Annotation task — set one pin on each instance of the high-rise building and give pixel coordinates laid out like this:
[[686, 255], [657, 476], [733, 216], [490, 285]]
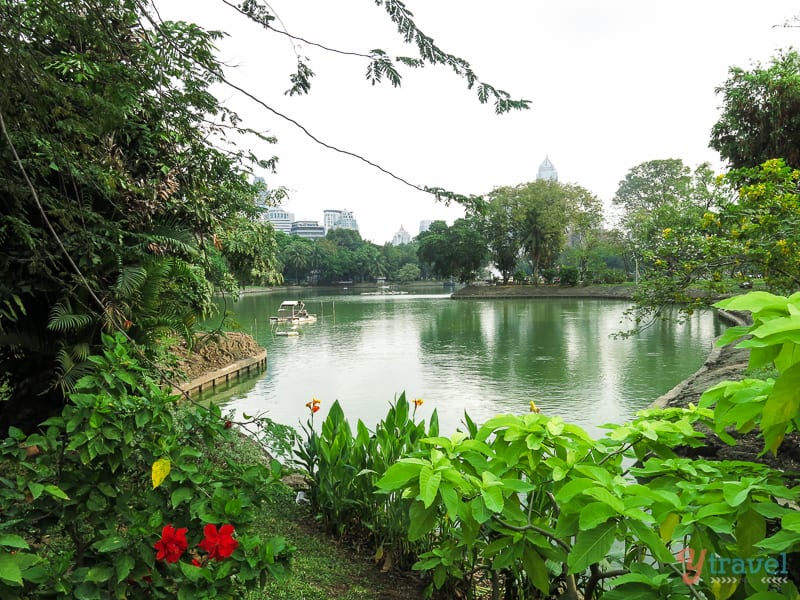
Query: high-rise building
[[425, 225], [339, 219], [547, 171], [401, 237], [281, 219]]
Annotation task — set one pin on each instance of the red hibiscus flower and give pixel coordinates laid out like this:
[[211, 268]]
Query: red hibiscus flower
[[172, 544], [218, 544]]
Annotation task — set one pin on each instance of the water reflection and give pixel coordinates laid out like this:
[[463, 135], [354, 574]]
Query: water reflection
[[485, 357]]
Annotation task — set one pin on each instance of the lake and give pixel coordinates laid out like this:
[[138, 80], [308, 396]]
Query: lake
[[483, 356]]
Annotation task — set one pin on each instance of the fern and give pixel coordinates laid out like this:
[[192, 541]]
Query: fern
[[70, 369], [63, 320], [130, 281]]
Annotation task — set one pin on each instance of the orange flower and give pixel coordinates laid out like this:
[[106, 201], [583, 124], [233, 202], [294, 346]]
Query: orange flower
[[314, 408], [418, 401]]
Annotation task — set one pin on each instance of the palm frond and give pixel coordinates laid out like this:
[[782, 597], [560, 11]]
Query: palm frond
[[130, 281], [63, 320], [69, 371]]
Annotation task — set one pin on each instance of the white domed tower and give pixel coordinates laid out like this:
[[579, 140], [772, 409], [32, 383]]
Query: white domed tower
[[547, 171]]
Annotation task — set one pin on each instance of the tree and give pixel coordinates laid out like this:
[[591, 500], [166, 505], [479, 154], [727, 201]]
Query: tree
[[585, 214], [251, 251], [540, 219], [297, 256], [760, 117], [457, 251], [660, 195], [107, 180], [505, 246], [408, 272]]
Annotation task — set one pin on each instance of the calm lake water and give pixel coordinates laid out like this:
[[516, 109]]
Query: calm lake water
[[483, 356]]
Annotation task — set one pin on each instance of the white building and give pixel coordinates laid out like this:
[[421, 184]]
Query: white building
[[281, 219], [401, 237], [339, 219], [547, 171], [425, 225], [308, 229]]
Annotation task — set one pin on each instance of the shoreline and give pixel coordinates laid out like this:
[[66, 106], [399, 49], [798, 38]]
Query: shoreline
[[609, 292]]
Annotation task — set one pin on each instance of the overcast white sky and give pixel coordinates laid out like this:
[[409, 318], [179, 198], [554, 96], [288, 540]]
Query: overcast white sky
[[612, 84]]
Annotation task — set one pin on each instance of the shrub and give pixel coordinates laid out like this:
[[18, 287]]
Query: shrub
[[569, 276], [118, 498]]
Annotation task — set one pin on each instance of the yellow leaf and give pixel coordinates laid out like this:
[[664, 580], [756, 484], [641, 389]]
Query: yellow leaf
[[161, 469], [723, 591], [668, 526]]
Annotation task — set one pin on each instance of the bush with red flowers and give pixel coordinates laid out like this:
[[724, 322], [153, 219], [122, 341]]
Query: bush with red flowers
[[121, 464]]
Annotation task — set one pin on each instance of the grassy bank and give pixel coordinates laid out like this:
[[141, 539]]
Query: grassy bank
[[322, 567], [612, 291]]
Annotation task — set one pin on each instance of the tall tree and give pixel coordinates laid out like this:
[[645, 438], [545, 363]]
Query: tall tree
[[297, 256], [585, 214], [760, 116], [659, 195], [106, 170], [505, 246], [457, 251], [540, 215]]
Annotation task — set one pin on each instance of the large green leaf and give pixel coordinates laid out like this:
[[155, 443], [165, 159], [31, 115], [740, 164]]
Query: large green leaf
[[422, 520], [493, 498], [754, 302], [12, 540], [536, 569], [428, 485], [595, 513], [648, 536], [783, 403], [751, 528], [591, 546], [9, 569], [606, 497], [399, 474]]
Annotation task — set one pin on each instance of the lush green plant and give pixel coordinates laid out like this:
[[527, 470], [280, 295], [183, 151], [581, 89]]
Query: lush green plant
[[549, 274], [528, 501], [772, 404], [86, 500], [569, 276], [345, 465]]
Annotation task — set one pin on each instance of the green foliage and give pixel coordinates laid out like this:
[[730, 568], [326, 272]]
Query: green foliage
[[529, 501], [760, 118], [114, 175], [748, 233], [408, 272], [80, 513], [569, 276], [535, 500], [453, 251], [345, 464], [771, 404]]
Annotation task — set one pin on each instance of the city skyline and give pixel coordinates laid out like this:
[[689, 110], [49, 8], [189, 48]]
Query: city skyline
[[611, 86]]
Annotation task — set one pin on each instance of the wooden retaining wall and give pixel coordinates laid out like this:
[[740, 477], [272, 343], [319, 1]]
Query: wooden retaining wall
[[209, 381]]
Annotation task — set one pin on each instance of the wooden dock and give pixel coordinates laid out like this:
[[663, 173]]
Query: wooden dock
[[241, 368]]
